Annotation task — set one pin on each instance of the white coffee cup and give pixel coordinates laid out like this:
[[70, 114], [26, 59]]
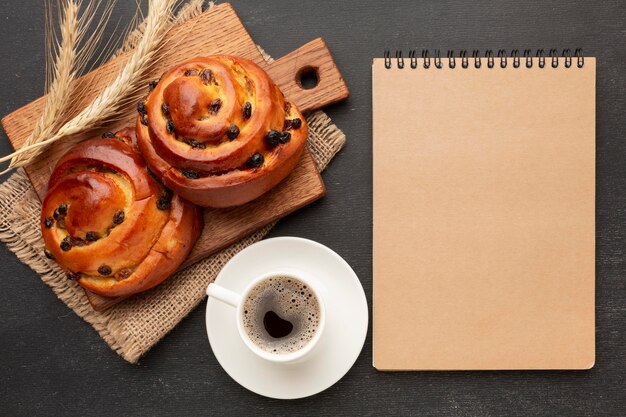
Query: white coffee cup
[[236, 300]]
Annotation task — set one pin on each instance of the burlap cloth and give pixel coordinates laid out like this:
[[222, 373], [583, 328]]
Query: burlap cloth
[[132, 327]]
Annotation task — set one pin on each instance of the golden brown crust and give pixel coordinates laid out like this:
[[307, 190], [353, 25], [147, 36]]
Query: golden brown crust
[[203, 127], [109, 224]]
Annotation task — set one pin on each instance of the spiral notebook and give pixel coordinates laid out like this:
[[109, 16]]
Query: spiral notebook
[[484, 210]]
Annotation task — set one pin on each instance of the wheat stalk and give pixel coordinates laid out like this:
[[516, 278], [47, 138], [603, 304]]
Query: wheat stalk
[[111, 100], [60, 71], [64, 61], [190, 10]]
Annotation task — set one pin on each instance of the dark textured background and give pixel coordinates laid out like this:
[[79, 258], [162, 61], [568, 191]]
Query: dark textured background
[[53, 363]]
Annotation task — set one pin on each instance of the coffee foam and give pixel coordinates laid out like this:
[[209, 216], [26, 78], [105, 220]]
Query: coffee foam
[[292, 300]]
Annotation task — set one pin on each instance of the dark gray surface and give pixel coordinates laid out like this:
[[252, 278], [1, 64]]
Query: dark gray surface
[[52, 363]]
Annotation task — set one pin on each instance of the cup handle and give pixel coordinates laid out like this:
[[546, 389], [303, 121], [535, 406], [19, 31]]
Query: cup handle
[[223, 294]]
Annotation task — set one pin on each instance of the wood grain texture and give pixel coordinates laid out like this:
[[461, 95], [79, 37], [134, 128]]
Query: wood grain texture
[[51, 358], [228, 35]]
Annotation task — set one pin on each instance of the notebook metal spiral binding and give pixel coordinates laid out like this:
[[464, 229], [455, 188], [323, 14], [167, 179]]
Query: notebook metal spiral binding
[[476, 57]]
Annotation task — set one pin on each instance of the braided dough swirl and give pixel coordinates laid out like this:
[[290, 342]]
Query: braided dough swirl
[[109, 224], [218, 131]]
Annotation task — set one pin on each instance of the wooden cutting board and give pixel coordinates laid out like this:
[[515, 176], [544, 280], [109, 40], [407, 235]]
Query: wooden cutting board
[[217, 31]]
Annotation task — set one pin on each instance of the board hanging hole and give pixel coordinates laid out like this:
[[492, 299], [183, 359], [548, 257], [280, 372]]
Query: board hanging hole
[[308, 78]]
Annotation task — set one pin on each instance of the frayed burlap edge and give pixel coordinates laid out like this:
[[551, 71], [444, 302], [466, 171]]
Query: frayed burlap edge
[[17, 232], [118, 326]]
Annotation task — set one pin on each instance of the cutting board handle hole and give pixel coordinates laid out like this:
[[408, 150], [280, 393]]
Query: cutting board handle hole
[[307, 78]]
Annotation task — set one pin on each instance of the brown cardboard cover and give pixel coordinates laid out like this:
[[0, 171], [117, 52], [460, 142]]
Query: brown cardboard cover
[[484, 217]]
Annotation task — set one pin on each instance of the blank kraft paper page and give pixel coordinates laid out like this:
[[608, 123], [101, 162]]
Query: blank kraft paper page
[[484, 216]]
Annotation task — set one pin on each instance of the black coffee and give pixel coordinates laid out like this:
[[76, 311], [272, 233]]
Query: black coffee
[[276, 326], [281, 314]]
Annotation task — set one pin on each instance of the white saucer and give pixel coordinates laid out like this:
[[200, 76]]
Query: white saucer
[[342, 338]]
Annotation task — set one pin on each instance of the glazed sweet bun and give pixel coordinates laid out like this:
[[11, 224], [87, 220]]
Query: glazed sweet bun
[[109, 224], [218, 131]]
